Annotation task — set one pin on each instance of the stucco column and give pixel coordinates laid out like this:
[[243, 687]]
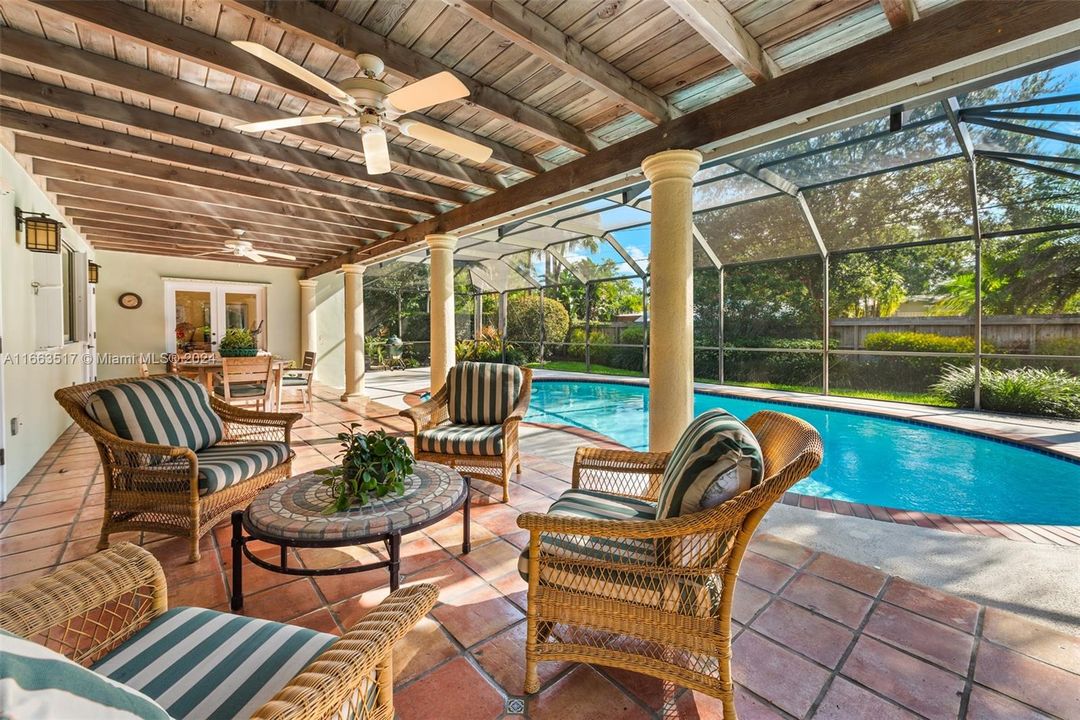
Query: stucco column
[[354, 331], [309, 333], [671, 299], [442, 307]]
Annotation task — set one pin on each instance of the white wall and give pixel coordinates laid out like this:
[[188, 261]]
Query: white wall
[[330, 319], [125, 332], [28, 389]]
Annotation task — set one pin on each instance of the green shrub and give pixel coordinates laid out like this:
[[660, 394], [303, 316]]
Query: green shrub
[[523, 321], [486, 347], [598, 342], [1058, 346], [628, 358], [921, 342], [1025, 390]]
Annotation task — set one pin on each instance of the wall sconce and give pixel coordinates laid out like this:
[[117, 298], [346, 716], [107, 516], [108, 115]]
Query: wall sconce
[[92, 269], [41, 232]]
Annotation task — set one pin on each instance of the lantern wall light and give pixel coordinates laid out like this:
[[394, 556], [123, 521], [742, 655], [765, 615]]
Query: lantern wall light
[[92, 270], [39, 231]]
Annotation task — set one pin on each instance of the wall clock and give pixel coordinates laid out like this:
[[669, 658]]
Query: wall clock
[[130, 301]]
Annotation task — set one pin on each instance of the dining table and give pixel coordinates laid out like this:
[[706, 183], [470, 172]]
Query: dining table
[[209, 366]]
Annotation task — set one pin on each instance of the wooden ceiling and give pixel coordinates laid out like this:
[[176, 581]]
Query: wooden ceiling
[[128, 109]]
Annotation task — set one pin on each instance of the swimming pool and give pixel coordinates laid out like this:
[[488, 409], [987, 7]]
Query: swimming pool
[[868, 459]]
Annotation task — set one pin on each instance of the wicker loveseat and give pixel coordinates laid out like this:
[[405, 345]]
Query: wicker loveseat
[[186, 459], [610, 584], [471, 423], [109, 612]]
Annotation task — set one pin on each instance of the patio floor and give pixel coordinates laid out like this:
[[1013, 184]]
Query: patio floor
[[818, 636]]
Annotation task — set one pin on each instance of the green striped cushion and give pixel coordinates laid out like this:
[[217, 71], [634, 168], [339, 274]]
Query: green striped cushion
[[716, 458], [167, 410], [239, 390], [199, 663], [461, 440], [482, 393], [36, 682], [230, 463]]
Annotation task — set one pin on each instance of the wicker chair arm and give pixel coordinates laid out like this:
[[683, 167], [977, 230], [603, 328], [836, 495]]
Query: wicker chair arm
[[521, 407], [355, 664], [98, 602], [621, 472], [707, 521], [429, 413], [245, 424]]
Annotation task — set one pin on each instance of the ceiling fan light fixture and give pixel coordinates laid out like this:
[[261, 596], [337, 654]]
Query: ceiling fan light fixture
[[376, 152]]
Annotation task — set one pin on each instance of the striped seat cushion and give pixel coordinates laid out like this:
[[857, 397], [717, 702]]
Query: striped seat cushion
[[227, 464], [569, 561], [36, 682], [716, 458], [167, 410], [199, 663], [461, 440], [482, 393], [294, 381]]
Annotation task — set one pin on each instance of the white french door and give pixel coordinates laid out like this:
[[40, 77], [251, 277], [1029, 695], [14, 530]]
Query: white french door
[[197, 314]]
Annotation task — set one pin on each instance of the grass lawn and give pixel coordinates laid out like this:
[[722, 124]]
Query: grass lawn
[[915, 398]]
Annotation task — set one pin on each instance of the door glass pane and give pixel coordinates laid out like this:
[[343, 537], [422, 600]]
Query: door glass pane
[[193, 321], [241, 311]]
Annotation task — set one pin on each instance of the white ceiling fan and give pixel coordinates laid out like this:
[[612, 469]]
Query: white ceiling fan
[[373, 102], [242, 248]]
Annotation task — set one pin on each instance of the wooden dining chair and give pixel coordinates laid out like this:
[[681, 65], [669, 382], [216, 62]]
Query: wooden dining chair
[[245, 381], [301, 379]]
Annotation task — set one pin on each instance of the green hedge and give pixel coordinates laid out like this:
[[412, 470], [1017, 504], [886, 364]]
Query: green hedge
[[1025, 390], [921, 342]]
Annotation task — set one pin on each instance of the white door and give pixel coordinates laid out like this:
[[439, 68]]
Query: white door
[[198, 314]]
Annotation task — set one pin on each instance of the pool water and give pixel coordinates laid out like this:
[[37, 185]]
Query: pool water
[[872, 460]]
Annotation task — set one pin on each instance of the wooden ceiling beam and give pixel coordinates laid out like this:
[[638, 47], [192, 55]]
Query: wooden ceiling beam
[[41, 126], [297, 229], [50, 155], [900, 12], [141, 247], [340, 35], [535, 34], [154, 193], [40, 53], [959, 32], [718, 26], [156, 234]]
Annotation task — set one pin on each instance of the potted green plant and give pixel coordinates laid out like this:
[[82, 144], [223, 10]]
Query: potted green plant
[[373, 464], [238, 342]]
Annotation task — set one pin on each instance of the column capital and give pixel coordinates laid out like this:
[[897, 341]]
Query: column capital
[[309, 283], [671, 164], [441, 242], [353, 268]]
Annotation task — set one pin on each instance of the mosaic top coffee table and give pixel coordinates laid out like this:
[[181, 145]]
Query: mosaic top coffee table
[[290, 514]]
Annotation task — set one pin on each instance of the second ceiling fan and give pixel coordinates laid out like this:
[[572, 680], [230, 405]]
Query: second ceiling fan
[[374, 104]]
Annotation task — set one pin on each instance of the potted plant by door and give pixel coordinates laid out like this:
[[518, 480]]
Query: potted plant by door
[[373, 464], [238, 342]]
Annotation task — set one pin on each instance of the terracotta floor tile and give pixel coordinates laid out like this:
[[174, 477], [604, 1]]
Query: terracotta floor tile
[[747, 601], [503, 658], [19, 526], [493, 560], [780, 550], [424, 647], [476, 615], [455, 690], [765, 573], [583, 693], [1032, 638], [846, 701], [829, 599], [804, 632], [986, 704], [1030, 681], [282, 602], [513, 587], [693, 705], [930, 640], [320, 620], [35, 559], [34, 540], [939, 606], [917, 685], [339, 587], [452, 577], [68, 506], [207, 591], [776, 674], [353, 610], [857, 577]]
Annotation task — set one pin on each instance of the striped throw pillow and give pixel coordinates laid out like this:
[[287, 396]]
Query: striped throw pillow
[[167, 410], [36, 682], [482, 393], [715, 459]]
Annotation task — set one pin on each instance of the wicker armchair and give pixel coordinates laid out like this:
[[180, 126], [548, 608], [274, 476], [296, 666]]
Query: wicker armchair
[[155, 488], [88, 608], [667, 611], [493, 467]]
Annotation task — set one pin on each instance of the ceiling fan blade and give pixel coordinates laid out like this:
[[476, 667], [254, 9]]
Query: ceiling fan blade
[[269, 254], [376, 153], [251, 255], [447, 141], [212, 252], [286, 122], [267, 55], [433, 90]]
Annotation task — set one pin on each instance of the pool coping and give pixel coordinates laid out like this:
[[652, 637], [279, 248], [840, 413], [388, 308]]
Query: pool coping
[[1061, 535]]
